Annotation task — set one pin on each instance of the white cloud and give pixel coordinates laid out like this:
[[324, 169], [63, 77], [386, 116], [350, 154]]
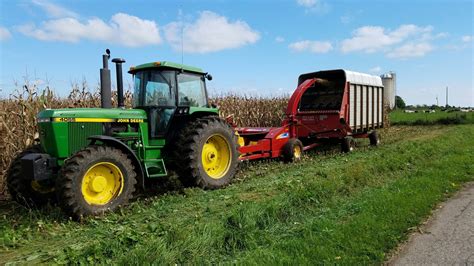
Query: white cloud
[[314, 5], [210, 33], [311, 46], [374, 38], [4, 34], [123, 29], [307, 3], [467, 38], [54, 10], [403, 42], [376, 69], [279, 39], [410, 50]]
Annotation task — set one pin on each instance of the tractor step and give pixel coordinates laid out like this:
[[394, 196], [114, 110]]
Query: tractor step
[[155, 168]]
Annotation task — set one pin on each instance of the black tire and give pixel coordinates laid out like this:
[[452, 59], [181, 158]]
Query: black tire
[[293, 151], [23, 189], [188, 162], [347, 144], [69, 183], [374, 138]]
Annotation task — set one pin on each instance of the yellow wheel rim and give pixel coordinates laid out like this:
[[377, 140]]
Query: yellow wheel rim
[[216, 156], [297, 152], [102, 183]]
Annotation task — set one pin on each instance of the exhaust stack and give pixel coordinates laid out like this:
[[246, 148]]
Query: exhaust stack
[[118, 64], [105, 86]]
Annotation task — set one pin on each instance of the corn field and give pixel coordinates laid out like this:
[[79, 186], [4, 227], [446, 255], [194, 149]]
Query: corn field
[[18, 114]]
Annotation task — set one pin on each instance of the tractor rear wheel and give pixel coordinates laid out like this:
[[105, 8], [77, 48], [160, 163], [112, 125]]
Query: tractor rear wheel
[[293, 151], [347, 144], [206, 154], [374, 138], [23, 189], [95, 180]]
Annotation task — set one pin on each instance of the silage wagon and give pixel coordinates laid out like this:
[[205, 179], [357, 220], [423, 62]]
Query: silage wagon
[[331, 105]]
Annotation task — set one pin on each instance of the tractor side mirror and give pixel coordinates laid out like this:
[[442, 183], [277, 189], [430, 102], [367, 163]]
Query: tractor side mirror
[[208, 76]]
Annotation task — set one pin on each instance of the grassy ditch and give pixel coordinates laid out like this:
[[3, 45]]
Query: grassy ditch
[[330, 208]]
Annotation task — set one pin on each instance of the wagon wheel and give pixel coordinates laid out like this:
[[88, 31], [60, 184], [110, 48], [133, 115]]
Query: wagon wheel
[[374, 138], [347, 144], [293, 150]]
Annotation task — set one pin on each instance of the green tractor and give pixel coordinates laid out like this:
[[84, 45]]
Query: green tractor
[[92, 160]]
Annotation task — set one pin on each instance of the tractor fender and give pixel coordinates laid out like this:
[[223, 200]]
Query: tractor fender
[[116, 143]]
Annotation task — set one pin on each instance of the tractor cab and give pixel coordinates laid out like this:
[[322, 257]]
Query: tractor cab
[[168, 92]]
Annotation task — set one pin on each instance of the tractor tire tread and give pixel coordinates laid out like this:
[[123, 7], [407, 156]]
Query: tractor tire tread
[[68, 189], [19, 187], [187, 153]]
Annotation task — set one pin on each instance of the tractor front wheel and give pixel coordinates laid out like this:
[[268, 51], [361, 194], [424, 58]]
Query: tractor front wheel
[[95, 180], [23, 189], [206, 154]]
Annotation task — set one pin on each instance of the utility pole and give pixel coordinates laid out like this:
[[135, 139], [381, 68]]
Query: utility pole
[[437, 103], [446, 96]]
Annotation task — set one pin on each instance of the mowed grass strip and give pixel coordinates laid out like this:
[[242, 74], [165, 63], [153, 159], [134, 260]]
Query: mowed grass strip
[[399, 117], [329, 208]]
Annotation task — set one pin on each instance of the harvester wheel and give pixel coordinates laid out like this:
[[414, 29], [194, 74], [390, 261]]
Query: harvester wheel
[[374, 138], [347, 144], [95, 180], [23, 189], [293, 151], [206, 153]]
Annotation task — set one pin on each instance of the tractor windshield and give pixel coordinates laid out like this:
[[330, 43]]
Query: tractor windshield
[[155, 88]]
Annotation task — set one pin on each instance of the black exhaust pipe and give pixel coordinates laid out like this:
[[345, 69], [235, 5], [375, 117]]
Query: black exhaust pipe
[[118, 63], [105, 86]]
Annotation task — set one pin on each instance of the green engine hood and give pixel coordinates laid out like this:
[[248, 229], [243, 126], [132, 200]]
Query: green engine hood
[[90, 115]]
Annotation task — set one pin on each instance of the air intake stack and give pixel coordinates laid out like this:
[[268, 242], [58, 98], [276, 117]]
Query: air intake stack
[[105, 86], [118, 64]]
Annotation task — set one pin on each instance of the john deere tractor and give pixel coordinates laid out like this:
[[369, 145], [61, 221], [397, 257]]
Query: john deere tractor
[[92, 160]]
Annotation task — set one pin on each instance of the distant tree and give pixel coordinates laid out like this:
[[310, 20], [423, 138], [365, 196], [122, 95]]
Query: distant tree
[[399, 102]]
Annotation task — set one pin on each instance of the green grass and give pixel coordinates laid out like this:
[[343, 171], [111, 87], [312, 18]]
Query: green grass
[[399, 117], [330, 208]]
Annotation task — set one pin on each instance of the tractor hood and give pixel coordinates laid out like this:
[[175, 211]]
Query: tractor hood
[[91, 115]]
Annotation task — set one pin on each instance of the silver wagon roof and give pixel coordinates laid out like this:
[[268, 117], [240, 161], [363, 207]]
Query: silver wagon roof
[[363, 79], [344, 75]]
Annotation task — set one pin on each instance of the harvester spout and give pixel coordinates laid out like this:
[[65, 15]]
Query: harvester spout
[[105, 87], [118, 63]]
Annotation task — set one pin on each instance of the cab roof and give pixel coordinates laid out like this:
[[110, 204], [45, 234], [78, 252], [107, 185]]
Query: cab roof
[[167, 65]]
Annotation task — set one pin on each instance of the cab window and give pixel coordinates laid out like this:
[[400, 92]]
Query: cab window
[[155, 88], [191, 90]]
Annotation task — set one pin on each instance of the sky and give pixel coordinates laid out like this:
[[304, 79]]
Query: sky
[[255, 47]]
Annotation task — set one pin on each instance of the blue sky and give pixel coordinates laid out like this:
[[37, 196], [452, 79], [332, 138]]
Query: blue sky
[[252, 47]]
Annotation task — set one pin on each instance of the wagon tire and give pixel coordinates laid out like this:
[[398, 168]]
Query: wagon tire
[[95, 180], [293, 151], [374, 138], [23, 189], [347, 144]]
